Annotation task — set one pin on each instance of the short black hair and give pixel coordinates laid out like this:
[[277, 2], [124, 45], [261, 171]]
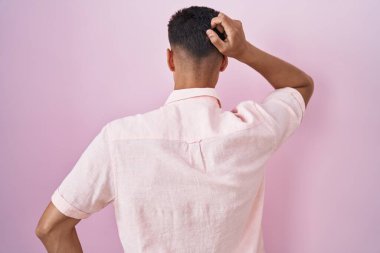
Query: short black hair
[[187, 29]]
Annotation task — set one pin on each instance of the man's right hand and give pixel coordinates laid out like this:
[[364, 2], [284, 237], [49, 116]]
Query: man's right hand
[[235, 44], [278, 72]]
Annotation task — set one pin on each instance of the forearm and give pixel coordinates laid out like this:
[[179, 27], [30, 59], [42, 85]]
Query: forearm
[[62, 242], [276, 71]]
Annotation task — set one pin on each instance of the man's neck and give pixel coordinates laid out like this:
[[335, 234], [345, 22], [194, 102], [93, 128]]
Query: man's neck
[[186, 82], [179, 87]]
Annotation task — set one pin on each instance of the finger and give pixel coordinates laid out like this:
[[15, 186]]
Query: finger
[[225, 18], [215, 40], [216, 21], [220, 28], [223, 22]]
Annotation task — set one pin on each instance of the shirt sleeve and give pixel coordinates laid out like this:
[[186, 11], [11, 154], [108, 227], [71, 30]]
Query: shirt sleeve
[[284, 110], [89, 186]]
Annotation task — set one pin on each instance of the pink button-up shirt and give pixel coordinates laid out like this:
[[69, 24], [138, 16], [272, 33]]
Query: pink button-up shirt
[[186, 177]]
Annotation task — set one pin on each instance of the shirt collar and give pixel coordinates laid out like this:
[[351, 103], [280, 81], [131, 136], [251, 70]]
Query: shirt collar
[[181, 94]]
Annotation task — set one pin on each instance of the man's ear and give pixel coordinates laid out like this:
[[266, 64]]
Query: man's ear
[[224, 64], [169, 55]]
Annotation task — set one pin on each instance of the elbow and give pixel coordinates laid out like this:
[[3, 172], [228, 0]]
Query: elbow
[[307, 83], [310, 81], [310, 84], [42, 231]]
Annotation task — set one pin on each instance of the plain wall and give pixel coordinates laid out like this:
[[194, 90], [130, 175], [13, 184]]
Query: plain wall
[[69, 67]]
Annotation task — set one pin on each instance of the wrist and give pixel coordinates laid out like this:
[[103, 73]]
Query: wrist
[[247, 54]]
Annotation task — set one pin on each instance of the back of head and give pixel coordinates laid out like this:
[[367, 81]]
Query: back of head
[[187, 31]]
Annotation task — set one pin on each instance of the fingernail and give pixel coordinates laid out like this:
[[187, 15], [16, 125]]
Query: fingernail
[[208, 32]]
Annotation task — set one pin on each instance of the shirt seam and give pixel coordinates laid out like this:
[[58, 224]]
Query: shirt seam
[[269, 127], [114, 184], [291, 91], [296, 97], [202, 157], [266, 124], [73, 206], [193, 141]]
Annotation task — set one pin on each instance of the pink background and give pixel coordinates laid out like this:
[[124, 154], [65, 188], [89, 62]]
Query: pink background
[[68, 67]]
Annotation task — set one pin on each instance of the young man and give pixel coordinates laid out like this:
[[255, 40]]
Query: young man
[[188, 176]]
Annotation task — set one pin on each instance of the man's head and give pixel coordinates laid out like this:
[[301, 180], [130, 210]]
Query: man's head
[[194, 60]]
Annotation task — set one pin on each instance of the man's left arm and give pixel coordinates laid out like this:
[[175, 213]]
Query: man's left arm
[[88, 188], [57, 232]]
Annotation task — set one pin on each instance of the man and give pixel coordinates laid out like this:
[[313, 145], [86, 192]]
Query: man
[[188, 176]]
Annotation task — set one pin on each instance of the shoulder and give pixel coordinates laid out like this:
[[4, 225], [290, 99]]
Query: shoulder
[[133, 126]]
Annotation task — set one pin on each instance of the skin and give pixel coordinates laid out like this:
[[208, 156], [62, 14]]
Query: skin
[[57, 232], [276, 71], [189, 73]]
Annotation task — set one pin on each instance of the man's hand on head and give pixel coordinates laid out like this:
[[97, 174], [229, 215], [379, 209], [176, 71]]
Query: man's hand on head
[[235, 43]]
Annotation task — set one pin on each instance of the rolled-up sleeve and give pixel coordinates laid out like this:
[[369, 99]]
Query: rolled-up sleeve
[[89, 186], [284, 109]]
